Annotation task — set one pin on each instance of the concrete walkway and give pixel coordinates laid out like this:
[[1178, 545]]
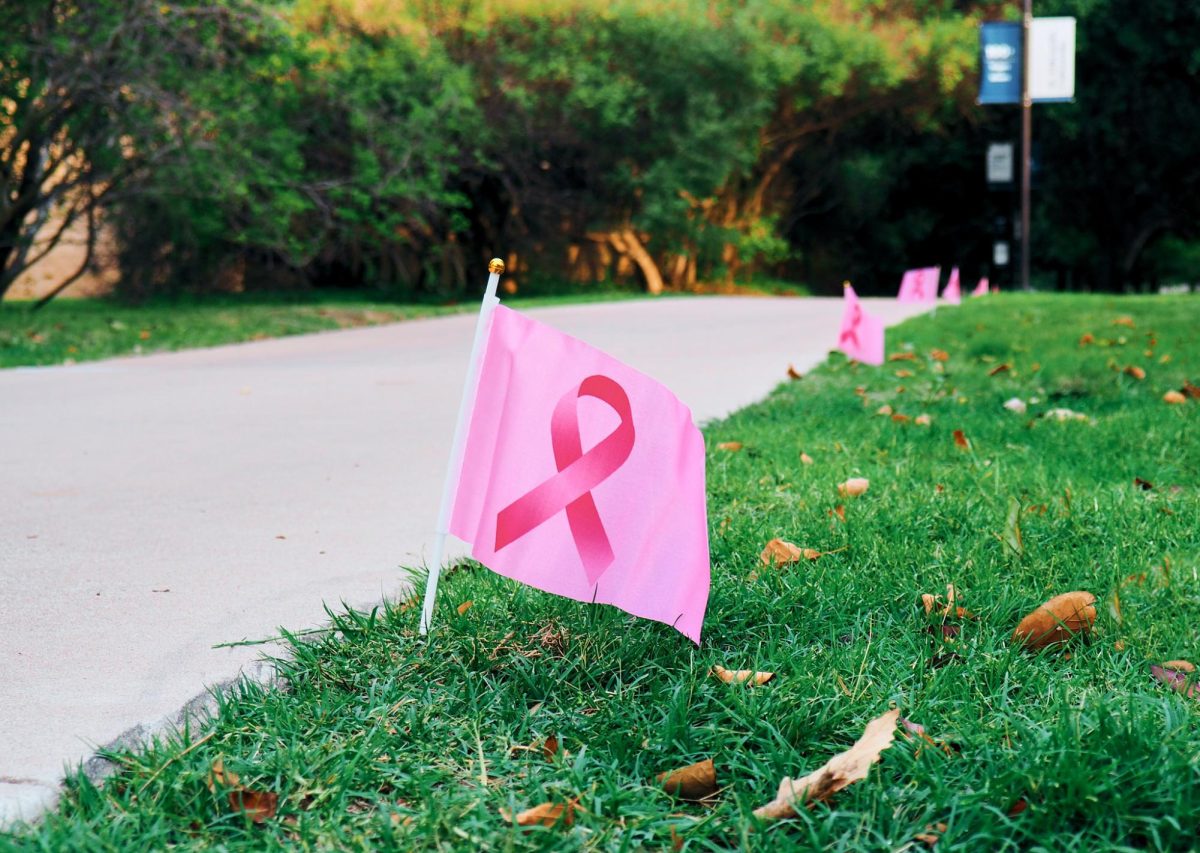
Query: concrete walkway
[[155, 506]]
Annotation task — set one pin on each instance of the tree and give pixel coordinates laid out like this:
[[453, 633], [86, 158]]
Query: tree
[[96, 99]]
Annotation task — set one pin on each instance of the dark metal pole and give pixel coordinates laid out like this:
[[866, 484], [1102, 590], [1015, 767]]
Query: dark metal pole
[[1026, 142]]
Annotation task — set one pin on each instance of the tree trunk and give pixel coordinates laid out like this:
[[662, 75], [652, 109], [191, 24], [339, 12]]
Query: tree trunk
[[627, 243]]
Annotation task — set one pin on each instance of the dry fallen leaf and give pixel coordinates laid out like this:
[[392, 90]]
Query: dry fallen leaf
[[923, 420], [933, 832], [903, 374], [1184, 665], [1124, 321], [885, 410], [853, 487], [1057, 620], [465, 606], [220, 776], [780, 552], [1064, 415], [259, 806], [902, 356], [841, 770], [729, 445], [694, 782], [806, 459], [900, 419], [840, 512], [793, 373], [939, 355], [1190, 390], [550, 748], [1179, 680], [1088, 338], [999, 368], [545, 814], [1174, 398], [1136, 372], [960, 440], [742, 676]]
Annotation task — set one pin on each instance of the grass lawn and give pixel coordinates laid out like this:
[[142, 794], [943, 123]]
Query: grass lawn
[[382, 741], [72, 330]]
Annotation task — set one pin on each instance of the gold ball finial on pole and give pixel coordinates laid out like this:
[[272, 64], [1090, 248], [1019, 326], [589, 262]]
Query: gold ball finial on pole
[[495, 265]]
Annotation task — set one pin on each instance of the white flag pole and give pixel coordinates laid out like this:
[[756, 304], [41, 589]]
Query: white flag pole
[[454, 467]]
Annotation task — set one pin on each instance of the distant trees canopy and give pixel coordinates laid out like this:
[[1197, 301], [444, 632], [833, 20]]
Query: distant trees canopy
[[351, 142]]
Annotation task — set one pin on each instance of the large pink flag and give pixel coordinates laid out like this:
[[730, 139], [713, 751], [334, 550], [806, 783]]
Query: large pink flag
[[920, 285], [861, 335], [981, 289], [584, 478], [953, 291]]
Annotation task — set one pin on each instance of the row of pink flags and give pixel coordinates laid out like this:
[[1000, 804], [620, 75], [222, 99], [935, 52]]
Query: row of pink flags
[[861, 334], [578, 475]]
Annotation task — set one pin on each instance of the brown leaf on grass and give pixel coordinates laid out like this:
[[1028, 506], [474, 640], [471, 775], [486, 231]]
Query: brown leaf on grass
[[544, 814], [1057, 620], [259, 806], [676, 840], [1136, 372], [550, 748], [902, 356], [1016, 808], [841, 770], [932, 834], [780, 552], [1174, 398], [961, 441], [1144, 485], [465, 606], [923, 420], [1126, 321], [694, 782], [939, 355], [219, 776], [1087, 338], [860, 390], [853, 487], [806, 459], [884, 410], [1180, 680], [1190, 390], [1000, 368], [903, 374], [793, 373], [900, 419], [742, 676], [1183, 665], [729, 446], [840, 512]]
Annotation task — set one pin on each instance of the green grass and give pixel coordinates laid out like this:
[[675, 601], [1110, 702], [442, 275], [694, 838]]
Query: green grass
[[73, 330], [382, 741]]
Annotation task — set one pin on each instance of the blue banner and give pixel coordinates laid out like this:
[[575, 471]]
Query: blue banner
[[1000, 63]]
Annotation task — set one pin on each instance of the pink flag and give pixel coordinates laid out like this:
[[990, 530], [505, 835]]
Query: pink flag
[[584, 478], [861, 336], [920, 285], [953, 292], [981, 289]]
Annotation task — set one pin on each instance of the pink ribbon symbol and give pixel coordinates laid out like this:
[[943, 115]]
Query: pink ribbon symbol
[[578, 473], [852, 331]]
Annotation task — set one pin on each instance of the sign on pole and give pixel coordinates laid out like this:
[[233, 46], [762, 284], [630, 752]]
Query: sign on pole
[[1052, 60], [1000, 59], [1000, 163]]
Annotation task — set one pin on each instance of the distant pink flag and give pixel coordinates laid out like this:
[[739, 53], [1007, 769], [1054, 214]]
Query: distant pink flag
[[953, 292], [981, 289], [584, 478], [861, 335], [920, 285]]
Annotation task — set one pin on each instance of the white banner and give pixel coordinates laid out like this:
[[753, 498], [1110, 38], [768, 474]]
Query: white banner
[[1052, 59]]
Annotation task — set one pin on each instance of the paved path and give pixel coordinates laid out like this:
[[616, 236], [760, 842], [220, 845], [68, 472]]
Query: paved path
[[151, 507]]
